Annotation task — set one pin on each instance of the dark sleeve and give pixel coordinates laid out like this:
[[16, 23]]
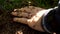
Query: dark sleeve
[[57, 15], [51, 20], [48, 19]]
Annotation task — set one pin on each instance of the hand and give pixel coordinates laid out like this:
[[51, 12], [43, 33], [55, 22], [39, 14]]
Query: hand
[[30, 16]]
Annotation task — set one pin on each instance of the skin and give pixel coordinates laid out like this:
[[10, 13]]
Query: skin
[[34, 22]]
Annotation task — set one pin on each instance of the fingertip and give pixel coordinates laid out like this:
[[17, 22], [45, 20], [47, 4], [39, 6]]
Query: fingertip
[[15, 9], [14, 19], [14, 13]]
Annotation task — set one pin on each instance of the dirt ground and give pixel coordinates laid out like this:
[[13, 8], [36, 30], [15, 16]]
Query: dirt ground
[[7, 26]]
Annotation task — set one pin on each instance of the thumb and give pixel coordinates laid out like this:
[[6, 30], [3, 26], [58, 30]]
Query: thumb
[[21, 20]]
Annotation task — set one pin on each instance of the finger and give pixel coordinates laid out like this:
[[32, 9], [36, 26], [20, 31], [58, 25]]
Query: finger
[[54, 33], [20, 14], [14, 13], [21, 10], [15, 9], [20, 20]]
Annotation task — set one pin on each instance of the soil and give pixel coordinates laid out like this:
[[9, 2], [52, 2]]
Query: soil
[[8, 26]]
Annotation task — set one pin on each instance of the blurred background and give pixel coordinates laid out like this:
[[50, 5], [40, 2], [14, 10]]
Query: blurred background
[[10, 4]]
